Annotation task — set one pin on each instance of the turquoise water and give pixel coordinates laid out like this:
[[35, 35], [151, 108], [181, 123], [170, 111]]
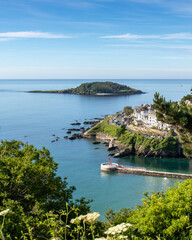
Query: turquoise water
[[35, 117]]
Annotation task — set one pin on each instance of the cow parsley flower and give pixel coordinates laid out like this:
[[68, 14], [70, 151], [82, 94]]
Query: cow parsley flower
[[90, 217], [3, 213], [118, 229]]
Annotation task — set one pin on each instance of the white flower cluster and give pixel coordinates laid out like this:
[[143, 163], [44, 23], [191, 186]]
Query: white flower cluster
[[90, 217], [3, 213], [77, 219], [119, 237], [122, 237], [102, 238], [118, 229]]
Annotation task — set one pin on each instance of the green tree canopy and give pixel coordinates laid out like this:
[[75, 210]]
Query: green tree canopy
[[128, 110], [30, 187], [174, 113], [179, 115], [161, 216], [28, 175]]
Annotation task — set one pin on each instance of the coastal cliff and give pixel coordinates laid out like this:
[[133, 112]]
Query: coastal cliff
[[126, 143]]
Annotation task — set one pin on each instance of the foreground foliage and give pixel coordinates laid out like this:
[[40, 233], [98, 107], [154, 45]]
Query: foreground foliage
[[31, 190], [162, 215], [45, 210]]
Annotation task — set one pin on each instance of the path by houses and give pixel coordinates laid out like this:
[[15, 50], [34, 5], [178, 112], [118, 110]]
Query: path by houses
[[144, 120]]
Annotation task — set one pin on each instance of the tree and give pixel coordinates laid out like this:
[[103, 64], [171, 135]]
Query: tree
[[29, 185], [121, 130], [28, 175], [170, 112], [179, 115], [161, 216], [128, 110], [166, 215]]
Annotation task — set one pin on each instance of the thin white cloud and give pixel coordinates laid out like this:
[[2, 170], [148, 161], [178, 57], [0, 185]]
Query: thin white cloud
[[31, 34], [181, 6], [152, 46], [129, 36], [146, 1], [4, 39], [170, 57], [186, 49], [175, 36], [148, 45], [79, 4]]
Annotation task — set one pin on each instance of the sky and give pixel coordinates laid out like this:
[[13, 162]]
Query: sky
[[95, 39]]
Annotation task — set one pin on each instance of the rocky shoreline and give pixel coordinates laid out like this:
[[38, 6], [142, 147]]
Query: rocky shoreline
[[121, 150], [115, 147]]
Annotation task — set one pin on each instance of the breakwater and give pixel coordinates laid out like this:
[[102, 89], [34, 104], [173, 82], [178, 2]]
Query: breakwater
[[140, 171]]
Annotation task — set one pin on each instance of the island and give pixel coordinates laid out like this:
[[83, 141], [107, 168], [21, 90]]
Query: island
[[96, 88]]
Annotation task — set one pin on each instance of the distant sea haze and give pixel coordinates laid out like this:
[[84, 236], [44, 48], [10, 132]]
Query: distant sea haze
[[35, 117]]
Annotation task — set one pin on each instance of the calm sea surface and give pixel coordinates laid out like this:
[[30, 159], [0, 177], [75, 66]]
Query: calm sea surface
[[36, 117]]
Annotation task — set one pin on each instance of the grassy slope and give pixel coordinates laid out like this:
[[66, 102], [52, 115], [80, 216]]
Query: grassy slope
[[138, 141]]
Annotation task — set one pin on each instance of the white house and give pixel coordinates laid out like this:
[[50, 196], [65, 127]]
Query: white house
[[145, 115], [188, 102]]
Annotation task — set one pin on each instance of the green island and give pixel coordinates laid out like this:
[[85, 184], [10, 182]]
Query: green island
[[96, 88]]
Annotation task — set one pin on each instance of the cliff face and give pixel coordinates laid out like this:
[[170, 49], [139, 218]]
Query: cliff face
[[160, 153], [123, 150]]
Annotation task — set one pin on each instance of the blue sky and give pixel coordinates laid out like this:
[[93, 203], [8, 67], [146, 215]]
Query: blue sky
[[95, 39]]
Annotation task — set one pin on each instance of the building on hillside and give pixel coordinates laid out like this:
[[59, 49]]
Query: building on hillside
[[145, 115], [188, 102]]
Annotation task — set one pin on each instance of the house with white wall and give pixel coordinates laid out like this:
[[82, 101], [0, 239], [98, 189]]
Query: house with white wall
[[145, 115]]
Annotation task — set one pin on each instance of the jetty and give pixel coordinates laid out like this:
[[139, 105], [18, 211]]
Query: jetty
[[114, 167]]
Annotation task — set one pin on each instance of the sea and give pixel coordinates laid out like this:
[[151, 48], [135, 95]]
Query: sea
[[36, 117]]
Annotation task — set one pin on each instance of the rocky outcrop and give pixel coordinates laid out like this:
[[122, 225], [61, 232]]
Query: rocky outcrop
[[160, 153], [96, 143], [74, 129], [112, 148], [127, 150], [90, 122], [77, 123], [124, 152], [148, 153]]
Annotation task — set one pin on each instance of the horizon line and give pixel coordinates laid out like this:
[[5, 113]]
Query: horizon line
[[95, 79]]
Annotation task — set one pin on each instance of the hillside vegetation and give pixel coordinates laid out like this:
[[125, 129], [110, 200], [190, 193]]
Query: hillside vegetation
[[98, 88], [179, 115], [137, 143]]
